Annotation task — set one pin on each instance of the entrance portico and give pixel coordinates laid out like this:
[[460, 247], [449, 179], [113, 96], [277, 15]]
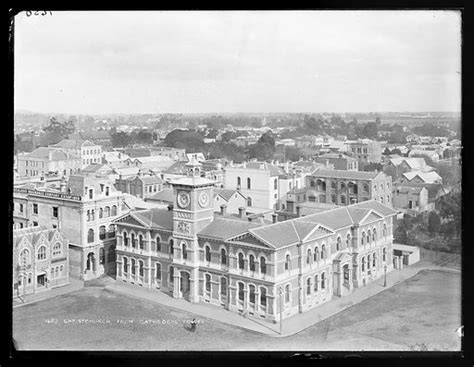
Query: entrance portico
[[342, 273]]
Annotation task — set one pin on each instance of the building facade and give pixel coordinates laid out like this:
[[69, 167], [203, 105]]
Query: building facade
[[83, 210], [45, 161], [142, 186], [348, 187], [87, 151], [367, 151], [259, 269], [339, 161], [40, 260]]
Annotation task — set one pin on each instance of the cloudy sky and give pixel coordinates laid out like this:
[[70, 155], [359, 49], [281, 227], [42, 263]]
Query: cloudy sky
[[153, 62]]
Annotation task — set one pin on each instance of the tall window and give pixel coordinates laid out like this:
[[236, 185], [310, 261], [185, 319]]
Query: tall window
[[140, 242], [184, 252], [362, 238], [208, 253], [241, 260], [275, 184], [363, 263], [132, 265], [374, 235], [373, 260], [384, 254], [348, 240], [125, 265], [287, 293], [101, 256], [263, 296], [92, 214], [308, 286], [157, 271], [368, 261], [125, 239], [140, 268], [249, 201], [249, 183], [25, 257], [311, 183], [101, 213], [323, 280], [21, 208], [287, 262], [252, 293], [35, 208], [111, 231], [55, 212], [102, 232], [114, 210], [57, 249], [171, 242], [107, 212], [90, 235], [323, 252], [263, 265], [171, 275], [343, 199], [158, 244], [316, 282], [252, 263], [134, 244], [308, 256], [316, 252], [241, 291], [91, 194], [368, 236], [223, 257], [88, 215], [385, 230], [338, 244]]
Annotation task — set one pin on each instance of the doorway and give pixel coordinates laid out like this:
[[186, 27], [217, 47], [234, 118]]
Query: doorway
[[41, 280]]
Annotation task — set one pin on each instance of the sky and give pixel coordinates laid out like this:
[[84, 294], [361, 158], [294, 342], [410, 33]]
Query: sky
[[247, 61]]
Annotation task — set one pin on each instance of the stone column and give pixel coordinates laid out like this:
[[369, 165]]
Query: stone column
[[129, 268], [177, 280], [194, 286]]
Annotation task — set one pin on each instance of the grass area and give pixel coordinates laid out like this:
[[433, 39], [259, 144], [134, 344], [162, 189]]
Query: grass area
[[424, 309]]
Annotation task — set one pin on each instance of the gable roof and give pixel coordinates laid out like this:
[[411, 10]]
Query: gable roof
[[156, 218], [336, 173], [73, 143], [274, 170], [427, 177], [44, 153], [226, 228], [227, 194], [166, 195]]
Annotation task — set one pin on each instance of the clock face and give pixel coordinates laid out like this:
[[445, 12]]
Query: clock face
[[183, 199], [203, 199]]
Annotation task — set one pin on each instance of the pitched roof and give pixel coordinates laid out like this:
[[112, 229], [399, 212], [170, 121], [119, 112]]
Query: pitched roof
[[277, 235], [226, 194], [427, 177], [44, 152], [73, 143], [274, 170], [165, 195], [225, 228], [355, 175], [155, 218], [177, 168]]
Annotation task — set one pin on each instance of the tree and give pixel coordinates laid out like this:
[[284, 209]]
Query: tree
[[434, 223], [144, 137], [378, 121], [185, 139], [396, 151], [370, 130], [120, 139], [264, 149], [449, 207], [57, 131], [386, 151]]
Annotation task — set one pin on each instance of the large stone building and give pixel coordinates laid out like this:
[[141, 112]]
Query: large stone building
[[83, 209], [40, 260], [367, 151], [348, 187], [85, 149], [45, 161], [190, 252], [141, 185], [339, 161]]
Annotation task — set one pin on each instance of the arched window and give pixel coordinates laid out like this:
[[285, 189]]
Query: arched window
[[125, 239], [373, 259], [338, 244], [263, 265], [384, 254], [385, 230], [134, 244], [316, 253], [61, 270], [311, 183], [184, 252], [92, 214], [368, 236], [157, 271], [239, 181], [241, 291], [333, 185], [287, 262], [333, 198], [368, 261], [252, 293], [263, 296], [57, 249], [275, 184], [88, 215], [343, 199], [343, 185], [111, 231], [140, 268], [114, 210], [308, 286], [171, 244], [287, 293], [208, 253], [374, 235], [90, 235], [140, 242], [366, 188], [323, 251], [25, 258], [348, 240], [316, 282], [223, 257], [133, 265], [241, 260], [388, 199], [362, 238], [107, 212], [308, 256], [158, 244], [252, 263], [125, 265], [102, 232], [363, 263], [249, 183], [224, 286], [249, 201], [101, 213], [101, 256], [323, 280], [171, 274]]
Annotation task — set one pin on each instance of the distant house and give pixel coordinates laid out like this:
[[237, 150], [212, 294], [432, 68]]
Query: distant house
[[411, 198], [88, 152], [114, 159], [46, 160], [142, 186], [420, 177], [165, 196], [340, 161], [155, 163], [432, 154], [397, 166], [232, 199]]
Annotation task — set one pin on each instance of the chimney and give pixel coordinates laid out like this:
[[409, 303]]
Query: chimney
[[241, 212], [223, 209], [327, 162], [274, 217], [298, 211], [170, 207], [62, 185]]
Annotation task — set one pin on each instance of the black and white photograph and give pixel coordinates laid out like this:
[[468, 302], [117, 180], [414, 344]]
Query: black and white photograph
[[237, 181]]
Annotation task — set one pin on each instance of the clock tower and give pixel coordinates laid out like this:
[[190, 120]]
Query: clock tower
[[193, 210]]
